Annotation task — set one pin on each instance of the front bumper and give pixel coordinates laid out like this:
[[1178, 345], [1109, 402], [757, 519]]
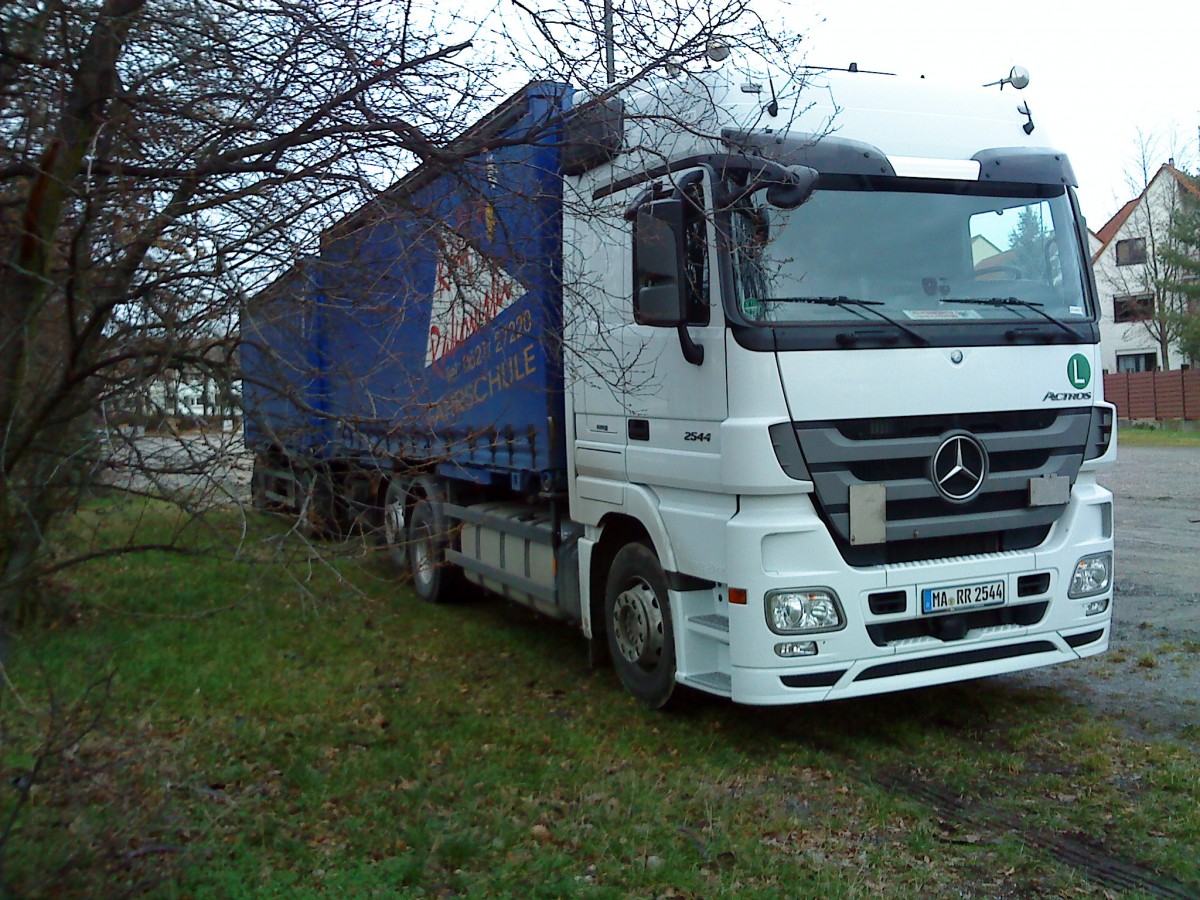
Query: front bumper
[[881, 652]]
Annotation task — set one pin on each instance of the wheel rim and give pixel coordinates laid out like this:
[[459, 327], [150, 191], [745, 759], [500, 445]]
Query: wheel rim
[[393, 521], [422, 560], [638, 625]]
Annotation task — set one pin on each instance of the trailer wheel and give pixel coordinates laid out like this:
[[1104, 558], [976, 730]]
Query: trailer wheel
[[259, 479], [394, 537], [637, 612], [318, 500], [434, 579]]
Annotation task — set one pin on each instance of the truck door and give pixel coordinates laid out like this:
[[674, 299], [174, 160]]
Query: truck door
[[675, 395]]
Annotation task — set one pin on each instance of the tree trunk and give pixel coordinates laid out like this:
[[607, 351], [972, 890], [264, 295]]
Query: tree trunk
[[36, 355]]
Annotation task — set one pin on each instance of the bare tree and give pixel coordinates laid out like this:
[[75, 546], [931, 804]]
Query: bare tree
[[163, 159]]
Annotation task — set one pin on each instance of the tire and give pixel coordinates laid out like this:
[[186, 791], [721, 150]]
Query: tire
[[318, 500], [259, 480], [637, 617], [434, 579], [392, 528]]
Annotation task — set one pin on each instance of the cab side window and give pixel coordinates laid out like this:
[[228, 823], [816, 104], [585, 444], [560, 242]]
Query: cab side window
[[685, 223], [696, 274]]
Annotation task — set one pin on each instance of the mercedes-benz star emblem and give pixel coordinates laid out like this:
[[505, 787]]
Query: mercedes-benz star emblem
[[959, 467]]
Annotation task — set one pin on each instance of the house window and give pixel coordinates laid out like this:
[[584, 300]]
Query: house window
[[1131, 251], [1137, 362], [1133, 308]]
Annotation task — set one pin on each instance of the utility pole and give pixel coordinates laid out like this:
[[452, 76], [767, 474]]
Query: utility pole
[[610, 61]]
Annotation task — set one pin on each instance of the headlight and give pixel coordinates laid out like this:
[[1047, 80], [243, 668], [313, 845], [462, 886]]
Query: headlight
[[804, 611], [1093, 575]]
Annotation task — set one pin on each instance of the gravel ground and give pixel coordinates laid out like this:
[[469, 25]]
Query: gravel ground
[[202, 469], [1149, 681]]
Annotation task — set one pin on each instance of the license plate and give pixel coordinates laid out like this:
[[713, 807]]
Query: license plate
[[962, 596]]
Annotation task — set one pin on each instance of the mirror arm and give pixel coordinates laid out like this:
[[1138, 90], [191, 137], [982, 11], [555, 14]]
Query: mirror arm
[[692, 352]]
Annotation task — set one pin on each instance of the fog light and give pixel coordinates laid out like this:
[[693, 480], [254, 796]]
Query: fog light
[[796, 648], [1095, 607], [804, 611], [1093, 575]]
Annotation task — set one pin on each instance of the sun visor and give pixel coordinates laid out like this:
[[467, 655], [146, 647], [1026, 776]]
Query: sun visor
[[825, 153], [838, 156], [1029, 165]]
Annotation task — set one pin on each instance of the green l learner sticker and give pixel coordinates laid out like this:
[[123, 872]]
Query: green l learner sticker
[[1079, 371]]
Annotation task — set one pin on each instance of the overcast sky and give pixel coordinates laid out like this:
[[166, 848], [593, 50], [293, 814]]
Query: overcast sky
[[1098, 72]]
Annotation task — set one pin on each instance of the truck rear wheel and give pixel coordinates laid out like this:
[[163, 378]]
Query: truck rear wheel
[[434, 579], [637, 613], [395, 539]]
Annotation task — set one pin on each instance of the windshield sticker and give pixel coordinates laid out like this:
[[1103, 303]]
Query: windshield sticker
[[928, 315], [1076, 310]]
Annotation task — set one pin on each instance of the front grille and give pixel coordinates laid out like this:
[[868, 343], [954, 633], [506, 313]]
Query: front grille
[[921, 523], [955, 625]]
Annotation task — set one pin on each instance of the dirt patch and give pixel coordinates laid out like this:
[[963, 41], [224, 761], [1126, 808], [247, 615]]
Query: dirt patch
[[963, 820]]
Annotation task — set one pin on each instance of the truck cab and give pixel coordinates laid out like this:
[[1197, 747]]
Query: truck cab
[[831, 363]]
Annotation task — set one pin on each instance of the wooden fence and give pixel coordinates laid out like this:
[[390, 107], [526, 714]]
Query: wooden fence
[[1154, 395]]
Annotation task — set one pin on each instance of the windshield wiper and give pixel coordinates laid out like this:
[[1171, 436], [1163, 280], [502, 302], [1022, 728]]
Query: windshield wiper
[[851, 304], [1011, 302]]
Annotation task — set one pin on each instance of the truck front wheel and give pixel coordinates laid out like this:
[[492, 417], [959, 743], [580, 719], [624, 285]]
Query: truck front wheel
[[434, 579], [637, 613]]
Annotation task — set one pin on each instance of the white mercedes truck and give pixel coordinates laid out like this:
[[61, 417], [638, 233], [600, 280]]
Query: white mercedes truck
[[816, 362]]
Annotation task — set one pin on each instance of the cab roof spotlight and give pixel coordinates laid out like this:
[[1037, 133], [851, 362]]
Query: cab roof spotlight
[[717, 50], [1018, 77]]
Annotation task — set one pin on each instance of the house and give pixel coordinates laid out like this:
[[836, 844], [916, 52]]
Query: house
[[1129, 272], [194, 391], [179, 387]]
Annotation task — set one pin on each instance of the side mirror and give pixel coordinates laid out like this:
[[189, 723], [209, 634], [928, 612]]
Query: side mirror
[[658, 265], [802, 181]]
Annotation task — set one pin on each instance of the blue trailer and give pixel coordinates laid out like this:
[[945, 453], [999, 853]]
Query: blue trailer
[[429, 328], [418, 361]]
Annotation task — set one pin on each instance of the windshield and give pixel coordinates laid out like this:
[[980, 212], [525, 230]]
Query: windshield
[[912, 251]]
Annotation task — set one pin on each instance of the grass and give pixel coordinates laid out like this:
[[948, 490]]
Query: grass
[[1145, 436], [280, 725]]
